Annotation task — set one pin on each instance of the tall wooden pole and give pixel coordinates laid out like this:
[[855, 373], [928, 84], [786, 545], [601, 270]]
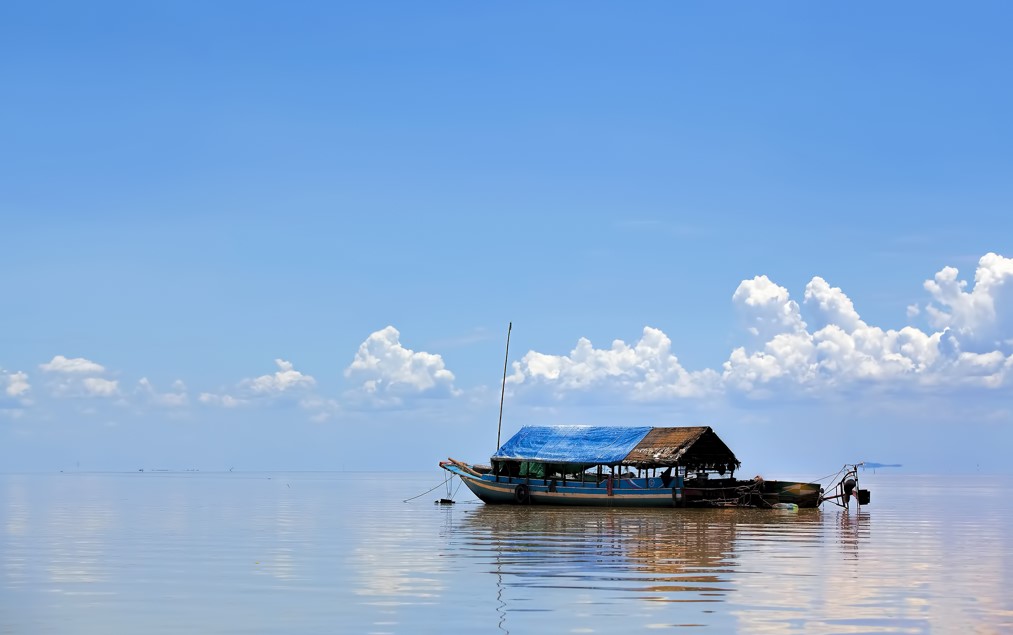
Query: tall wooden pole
[[502, 390]]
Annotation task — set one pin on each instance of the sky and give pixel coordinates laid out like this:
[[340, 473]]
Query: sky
[[266, 236]]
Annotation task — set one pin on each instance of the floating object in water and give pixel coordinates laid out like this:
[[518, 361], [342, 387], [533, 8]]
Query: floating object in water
[[790, 507], [620, 466], [445, 501]]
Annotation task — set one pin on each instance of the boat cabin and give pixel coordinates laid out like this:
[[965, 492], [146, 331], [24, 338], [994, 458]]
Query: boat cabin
[[587, 454]]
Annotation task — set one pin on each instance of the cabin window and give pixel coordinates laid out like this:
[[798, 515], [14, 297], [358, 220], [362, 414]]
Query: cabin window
[[530, 469]]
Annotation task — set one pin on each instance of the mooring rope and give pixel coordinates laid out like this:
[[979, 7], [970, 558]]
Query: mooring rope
[[831, 477], [429, 490]]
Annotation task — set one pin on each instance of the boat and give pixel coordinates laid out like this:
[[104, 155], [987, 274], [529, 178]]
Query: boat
[[626, 466]]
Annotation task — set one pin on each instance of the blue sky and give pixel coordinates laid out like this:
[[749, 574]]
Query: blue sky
[[291, 237]]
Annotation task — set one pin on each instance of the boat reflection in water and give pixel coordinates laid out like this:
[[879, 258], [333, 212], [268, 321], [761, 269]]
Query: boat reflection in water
[[578, 546], [634, 561]]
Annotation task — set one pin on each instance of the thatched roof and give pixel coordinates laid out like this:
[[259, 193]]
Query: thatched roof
[[696, 447]]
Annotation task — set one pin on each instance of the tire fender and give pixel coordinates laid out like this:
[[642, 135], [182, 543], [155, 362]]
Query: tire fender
[[522, 494]]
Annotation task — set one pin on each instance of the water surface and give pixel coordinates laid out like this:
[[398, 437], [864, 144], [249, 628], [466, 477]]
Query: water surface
[[342, 553]]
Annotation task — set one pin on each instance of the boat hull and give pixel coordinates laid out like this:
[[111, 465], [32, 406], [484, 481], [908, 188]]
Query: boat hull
[[506, 492], [801, 494], [632, 492]]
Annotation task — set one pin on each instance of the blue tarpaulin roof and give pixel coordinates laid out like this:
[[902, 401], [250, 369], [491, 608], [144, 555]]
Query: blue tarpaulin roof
[[572, 444]]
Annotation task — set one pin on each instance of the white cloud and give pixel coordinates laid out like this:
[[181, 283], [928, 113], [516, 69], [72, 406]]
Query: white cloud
[[845, 350], [14, 393], [980, 369], [287, 378], [99, 387], [388, 369], [75, 365], [17, 383], [787, 358], [78, 377], [647, 370], [263, 389], [982, 318], [175, 399], [767, 307], [831, 306], [815, 349]]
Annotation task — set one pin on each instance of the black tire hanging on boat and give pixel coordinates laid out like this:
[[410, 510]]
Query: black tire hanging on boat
[[522, 494]]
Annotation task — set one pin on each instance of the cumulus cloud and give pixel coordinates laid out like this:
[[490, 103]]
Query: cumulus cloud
[[16, 383], [784, 359], [75, 377], [831, 306], [647, 370], [286, 379], [813, 346], [175, 399], [386, 369], [982, 318], [265, 388], [75, 365], [14, 393], [767, 308], [100, 387], [816, 348], [842, 349]]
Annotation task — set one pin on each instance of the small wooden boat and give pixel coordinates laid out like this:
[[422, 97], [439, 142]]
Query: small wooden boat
[[616, 466]]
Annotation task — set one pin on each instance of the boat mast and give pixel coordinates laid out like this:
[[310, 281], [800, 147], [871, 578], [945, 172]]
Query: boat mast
[[502, 390]]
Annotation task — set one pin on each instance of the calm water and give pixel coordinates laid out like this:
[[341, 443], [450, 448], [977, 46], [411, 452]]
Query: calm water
[[341, 553]]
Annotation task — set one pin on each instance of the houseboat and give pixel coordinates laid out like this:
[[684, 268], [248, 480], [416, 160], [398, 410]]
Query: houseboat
[[618, 466]]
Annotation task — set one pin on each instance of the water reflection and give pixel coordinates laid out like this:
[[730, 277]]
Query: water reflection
[[621, 556], [623, 550]]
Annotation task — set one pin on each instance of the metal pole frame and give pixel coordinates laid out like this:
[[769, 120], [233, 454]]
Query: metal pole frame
[[502, 391]]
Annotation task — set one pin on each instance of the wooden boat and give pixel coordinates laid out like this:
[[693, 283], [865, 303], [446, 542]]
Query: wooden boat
[[615, 466]]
